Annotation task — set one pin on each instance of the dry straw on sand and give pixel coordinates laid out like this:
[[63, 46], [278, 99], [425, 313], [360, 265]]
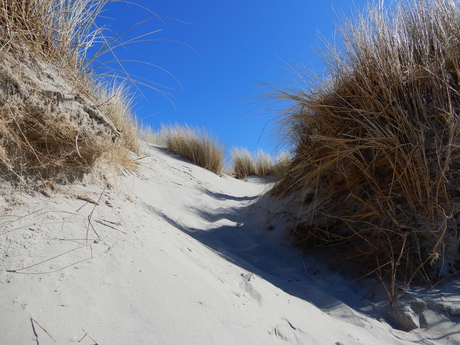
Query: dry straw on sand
[[376, 165]]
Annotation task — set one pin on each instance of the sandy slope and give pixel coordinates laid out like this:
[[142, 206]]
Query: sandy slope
[[177, 255]]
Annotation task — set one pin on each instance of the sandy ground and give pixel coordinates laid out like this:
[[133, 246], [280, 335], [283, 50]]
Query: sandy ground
[[179, 255]]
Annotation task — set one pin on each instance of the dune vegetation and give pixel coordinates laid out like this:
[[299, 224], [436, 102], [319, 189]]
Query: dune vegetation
[[374, 172], [192, 143], [203, 149], [261, 163], [243, 163], [56, 117], [376, 165]]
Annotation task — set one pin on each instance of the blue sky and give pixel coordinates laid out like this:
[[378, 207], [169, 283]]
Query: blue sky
[[212, 57]]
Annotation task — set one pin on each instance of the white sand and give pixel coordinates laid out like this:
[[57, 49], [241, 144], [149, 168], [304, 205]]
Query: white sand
[[178, 255]]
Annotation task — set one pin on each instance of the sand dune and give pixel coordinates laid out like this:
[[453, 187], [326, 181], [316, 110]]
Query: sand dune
[[179, 255]]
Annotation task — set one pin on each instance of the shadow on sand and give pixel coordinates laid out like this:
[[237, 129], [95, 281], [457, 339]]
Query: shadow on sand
[[257, 242]]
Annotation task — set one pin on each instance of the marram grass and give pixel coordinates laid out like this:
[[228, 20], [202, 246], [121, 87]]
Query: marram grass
[[194, 144], [261, 163], [43, 58], [376, 164]]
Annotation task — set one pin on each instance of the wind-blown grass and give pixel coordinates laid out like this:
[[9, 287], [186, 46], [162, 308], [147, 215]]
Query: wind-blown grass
[[194, 144], [57, 30], [377, 144]]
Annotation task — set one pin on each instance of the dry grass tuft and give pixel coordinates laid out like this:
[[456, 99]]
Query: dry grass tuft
[[243, 163], [376, 162], [149, 135], [194, 144], [281, 165], [59, 31], [262, 164], [116, 104], [54, 121]]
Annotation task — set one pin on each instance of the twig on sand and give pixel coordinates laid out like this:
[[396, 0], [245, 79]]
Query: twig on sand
[[103, 222], [110, 248], [87, 334], [90, 216], [54, 257], [84, 198], [33, 322], [17, 217]]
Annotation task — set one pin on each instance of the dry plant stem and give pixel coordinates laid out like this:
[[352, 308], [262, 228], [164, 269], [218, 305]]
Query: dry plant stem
[[84, 198], [90, 216], [394, 269], [103, 222], [33, 321], [113, 245], [87, 335], [54, 257], [24, 216]]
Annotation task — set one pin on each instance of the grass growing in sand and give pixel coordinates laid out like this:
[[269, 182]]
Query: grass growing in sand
[[191, 143], [243, 163], [56, 119], [376, 161], [246, 164]]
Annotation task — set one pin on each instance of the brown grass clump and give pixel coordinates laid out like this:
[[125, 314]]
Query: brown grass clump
[[149, 135], [53, 30], [281, 165], [243, 163], [262, 164], [54, 121], [194, 144], [376, 164], [116, 104]]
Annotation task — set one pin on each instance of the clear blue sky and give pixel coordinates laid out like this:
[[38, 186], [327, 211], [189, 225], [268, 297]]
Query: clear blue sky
[[220, 52]]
